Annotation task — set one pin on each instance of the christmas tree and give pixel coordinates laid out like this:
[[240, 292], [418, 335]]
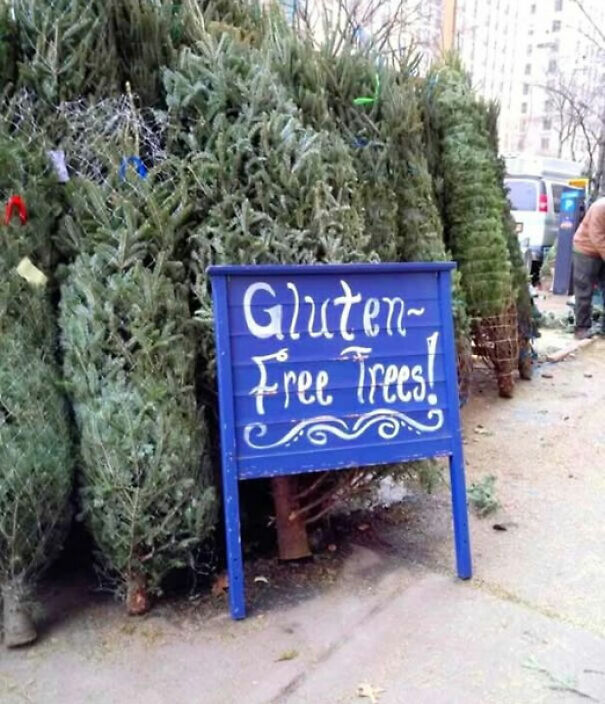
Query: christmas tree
[[525, 317], [268, 189], [66, 50], [374, 108], [130, 355], [36, 457], [470, 192]]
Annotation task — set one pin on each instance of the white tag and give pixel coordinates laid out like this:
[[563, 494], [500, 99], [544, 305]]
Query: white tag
[[28, 271], [58, 160]]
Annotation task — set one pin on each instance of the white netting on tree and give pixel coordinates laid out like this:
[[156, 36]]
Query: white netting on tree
[[111, 134], [98, 141]]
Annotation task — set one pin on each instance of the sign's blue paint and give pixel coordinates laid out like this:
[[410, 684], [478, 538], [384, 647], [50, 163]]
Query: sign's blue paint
[[334, 366]]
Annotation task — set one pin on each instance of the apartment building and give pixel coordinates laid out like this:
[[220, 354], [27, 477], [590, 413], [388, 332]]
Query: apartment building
[[543, 61], [565, 78]]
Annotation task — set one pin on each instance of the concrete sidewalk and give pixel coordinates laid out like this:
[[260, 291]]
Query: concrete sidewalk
[[529, 628]]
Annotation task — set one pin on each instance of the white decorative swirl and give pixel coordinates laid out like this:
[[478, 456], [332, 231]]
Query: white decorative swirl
[[389, 424], [416, 311]]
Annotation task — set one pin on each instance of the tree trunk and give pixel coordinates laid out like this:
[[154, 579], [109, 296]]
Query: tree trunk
[[137, 597], [292, 539], [506, 384], [19, 628], [525, 359]]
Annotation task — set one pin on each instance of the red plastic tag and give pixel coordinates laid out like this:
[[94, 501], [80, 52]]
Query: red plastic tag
[[15, 202]]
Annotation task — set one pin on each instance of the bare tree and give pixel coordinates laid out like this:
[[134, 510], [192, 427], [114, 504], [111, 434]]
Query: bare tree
[[381, 27], [577, 123], [596, 35]]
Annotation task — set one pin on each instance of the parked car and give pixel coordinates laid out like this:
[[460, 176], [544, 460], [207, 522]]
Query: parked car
[[534, 188]]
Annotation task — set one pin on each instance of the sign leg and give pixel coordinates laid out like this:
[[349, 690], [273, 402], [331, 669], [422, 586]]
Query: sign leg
[[235, 566], [460, 515]]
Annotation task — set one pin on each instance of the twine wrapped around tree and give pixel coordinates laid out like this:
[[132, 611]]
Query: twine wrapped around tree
[[525, 317]]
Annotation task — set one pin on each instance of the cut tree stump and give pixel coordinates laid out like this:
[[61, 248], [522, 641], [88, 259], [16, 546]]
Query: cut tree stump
[[292, 539], [137, 597], [19, 628]]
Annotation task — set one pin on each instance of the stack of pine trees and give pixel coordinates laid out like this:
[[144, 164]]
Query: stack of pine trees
[[264, 148]]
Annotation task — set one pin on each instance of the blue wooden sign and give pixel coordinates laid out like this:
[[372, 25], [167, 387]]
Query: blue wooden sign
[[332, 367]]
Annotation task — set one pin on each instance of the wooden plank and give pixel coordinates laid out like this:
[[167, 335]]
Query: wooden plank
[[570, 349]]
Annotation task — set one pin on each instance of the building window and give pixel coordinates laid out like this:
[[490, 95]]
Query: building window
[[526, 89], [546, 123], [552, 66], [558, 5], [556, 26], [545, 143], [533, 9], [548, 105], [523, 108], [529, 49], [527, 69]]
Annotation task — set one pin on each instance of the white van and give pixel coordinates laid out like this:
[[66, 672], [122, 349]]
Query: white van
[[535, 186]]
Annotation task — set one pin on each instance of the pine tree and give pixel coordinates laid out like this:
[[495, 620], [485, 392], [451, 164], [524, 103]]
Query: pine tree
[[36, 457], [374, 108], [470, 194], [269, 189], [525, 316], [146, 482], [66, 50]]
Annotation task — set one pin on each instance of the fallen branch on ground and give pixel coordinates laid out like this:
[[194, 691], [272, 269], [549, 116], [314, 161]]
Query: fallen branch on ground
[[565, 352]]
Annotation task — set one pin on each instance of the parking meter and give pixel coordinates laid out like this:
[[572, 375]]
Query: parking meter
[[573, 204]]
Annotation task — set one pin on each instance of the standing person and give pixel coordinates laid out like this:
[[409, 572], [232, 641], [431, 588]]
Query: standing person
[[589, 266]]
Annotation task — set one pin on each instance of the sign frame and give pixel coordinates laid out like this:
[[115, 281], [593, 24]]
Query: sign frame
[[221, 278]]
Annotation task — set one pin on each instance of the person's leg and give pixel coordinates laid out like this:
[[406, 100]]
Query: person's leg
[[602, 287], [586, 274]]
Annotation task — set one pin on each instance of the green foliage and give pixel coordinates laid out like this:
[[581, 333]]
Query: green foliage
[[267, 188], [272, 159], [482, 496], [469, 189], [518, 270], [75, 49], [146, 484], [8, 57], [384, 137], [548, 266], [147, 36], [66, 49], [36, 458], [385, 140]]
